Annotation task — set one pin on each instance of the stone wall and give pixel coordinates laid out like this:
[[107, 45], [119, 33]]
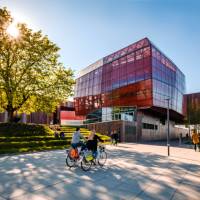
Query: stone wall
[[127, 130]]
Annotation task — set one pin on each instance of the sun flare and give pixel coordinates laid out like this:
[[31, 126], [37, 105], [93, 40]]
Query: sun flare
[[12, 30]]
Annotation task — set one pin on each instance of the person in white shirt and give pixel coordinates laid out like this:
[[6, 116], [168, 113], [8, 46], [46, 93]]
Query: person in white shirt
[[76, 139]]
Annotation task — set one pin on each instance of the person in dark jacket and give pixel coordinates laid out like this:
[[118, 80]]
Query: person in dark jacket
[[62, 135], [112, 137], [116, 137], [92, 142]]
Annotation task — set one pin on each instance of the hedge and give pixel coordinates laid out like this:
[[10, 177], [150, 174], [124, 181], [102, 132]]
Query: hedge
[[40, 148], [20, 129], [31, 144], [31, 138]]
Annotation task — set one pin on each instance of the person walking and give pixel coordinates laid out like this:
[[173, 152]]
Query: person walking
[[195, 139], [116, 137], [112, 137]]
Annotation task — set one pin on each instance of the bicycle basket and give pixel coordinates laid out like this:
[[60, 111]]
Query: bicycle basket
[[102, 148], [88, 156]]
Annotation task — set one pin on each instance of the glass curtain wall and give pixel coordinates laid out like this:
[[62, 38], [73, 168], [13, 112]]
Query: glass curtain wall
[[168, 82], [124, 79], [138, 75]]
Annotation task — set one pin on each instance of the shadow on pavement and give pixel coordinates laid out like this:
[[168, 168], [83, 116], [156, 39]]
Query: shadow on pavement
[[128, 174]]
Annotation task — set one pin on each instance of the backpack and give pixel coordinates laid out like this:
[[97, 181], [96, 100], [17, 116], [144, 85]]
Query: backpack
[[73, 153]]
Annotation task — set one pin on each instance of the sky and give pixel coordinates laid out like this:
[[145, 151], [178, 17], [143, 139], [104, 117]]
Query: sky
[[87, 30]]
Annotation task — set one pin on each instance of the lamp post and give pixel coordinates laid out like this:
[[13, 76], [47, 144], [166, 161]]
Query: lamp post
[[168, 139]]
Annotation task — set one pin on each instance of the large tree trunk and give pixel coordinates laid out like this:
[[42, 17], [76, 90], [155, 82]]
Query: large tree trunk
[[5, 116], [10, 115]]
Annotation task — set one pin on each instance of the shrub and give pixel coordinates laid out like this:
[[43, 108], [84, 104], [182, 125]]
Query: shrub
[[32, 144], [20, 129], [31, 138]]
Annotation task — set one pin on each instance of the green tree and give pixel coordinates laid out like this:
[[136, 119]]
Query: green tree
[[31, 77]]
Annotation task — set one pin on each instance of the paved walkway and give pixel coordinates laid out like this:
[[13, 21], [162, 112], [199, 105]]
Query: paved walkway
[[133, 171]]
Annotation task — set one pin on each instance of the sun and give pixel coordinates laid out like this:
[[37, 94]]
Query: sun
[[12, 30]]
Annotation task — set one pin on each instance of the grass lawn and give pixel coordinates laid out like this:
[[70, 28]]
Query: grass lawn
[[18, 138]]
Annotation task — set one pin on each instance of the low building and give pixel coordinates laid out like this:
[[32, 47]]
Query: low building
[[63, 115], [192, 111]]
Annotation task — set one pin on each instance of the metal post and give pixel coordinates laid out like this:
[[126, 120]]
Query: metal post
[[168, 145], [188, 112], [136, 123]]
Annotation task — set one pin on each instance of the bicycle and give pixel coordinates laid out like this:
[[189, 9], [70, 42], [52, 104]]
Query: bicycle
[[101, 155], [83, 157], [86, 158]]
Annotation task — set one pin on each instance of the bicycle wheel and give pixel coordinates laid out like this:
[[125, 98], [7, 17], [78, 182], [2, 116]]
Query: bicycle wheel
[[102, 158], [70, 162], [85, 165]]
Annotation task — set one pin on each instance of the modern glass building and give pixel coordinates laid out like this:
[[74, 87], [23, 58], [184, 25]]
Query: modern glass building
[[192, 108], [138, 77]]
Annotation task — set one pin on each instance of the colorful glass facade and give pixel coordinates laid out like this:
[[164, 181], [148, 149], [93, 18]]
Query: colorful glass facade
[[138, 75], [168, 82], [192, 108]]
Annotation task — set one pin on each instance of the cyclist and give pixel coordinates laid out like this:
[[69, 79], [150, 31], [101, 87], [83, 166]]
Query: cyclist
[[93, 142], [76, 139]]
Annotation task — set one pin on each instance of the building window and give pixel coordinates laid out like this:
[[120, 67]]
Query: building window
[[149, 126]]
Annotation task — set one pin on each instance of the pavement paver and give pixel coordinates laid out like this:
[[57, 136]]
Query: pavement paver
[[187, 191], [132, 171], [1, 198]]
